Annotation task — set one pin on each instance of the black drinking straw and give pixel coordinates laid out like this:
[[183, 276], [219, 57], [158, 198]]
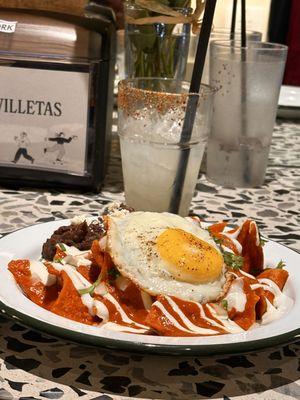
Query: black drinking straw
[[233, 19], [246, 173], [191, 107], [243, 20]]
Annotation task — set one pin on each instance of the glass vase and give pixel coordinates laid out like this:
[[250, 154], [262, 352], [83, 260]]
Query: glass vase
[[158, 49]]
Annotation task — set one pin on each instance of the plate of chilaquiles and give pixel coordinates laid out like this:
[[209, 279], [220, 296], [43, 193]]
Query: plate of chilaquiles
[[152, 282]]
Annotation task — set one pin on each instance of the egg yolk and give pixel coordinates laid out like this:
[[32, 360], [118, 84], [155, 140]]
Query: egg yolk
[[188, 258]]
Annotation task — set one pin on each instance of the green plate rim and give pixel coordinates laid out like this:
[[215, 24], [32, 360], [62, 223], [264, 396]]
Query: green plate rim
[[148, 348]]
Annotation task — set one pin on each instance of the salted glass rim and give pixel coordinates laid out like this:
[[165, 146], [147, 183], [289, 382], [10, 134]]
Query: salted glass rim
[[204, 88], [206, 91]]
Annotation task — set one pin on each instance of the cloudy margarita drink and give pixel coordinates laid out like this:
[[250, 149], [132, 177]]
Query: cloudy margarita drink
[[151, 116]]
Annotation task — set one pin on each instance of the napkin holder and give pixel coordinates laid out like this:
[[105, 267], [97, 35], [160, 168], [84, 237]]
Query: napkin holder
[[56, 79]]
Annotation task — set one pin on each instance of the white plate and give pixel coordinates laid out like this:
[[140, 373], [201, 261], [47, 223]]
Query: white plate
[[289, 102], [26, 244]]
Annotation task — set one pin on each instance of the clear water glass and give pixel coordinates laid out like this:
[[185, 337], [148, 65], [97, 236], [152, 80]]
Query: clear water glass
[[248, 82], [217, 34]]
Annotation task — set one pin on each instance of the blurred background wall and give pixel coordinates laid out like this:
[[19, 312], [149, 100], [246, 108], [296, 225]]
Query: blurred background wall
[[279, 22], [257, 15]]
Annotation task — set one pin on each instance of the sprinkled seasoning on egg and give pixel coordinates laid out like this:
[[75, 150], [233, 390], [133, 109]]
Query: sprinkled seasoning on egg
[[188, 257]]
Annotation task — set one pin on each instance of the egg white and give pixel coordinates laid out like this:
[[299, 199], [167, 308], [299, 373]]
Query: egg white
[[131, 243]]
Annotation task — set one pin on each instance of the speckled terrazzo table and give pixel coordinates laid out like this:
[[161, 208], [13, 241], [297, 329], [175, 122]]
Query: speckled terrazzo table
[[37, 366]]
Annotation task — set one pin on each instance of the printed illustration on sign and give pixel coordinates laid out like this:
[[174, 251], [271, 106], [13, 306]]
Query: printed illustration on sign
[[43, 119], [59, 146], [23, 143]]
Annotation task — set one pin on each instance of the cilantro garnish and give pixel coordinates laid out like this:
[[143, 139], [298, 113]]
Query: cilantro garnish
[[217, 240], [62, 246], [280, 265], [113, 273], [59, 260], [224, 304], [232, 260], [262, 242], [90, 290]]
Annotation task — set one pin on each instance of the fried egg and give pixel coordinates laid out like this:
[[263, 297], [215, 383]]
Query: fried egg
[[166, 254]]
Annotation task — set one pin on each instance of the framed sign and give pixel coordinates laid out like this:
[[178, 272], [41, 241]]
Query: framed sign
[[44, 119]]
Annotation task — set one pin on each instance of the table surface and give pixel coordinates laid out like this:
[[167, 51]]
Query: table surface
[[38, 366]]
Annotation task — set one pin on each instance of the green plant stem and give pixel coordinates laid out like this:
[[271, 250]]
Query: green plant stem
[[159, 62], [171, 56]]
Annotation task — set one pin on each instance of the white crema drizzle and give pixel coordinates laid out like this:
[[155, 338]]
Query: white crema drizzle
[[96, 307], [222, 322], [190, 326], [281, 303], [236, 297], [76, 257], [232, 237]]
